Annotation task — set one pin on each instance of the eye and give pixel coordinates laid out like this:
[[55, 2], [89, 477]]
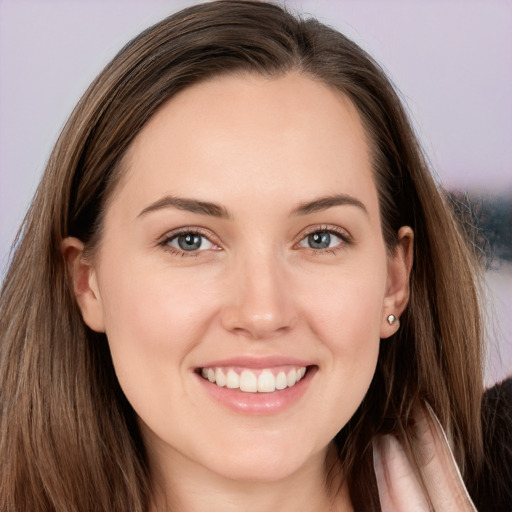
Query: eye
[[323, 239], [188, 241]]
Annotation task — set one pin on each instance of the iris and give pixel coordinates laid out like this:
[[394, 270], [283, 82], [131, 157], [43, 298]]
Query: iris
[[319, 240], [190, 242]]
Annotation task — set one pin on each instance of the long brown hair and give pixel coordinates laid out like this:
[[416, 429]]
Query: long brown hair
[[69, 441]]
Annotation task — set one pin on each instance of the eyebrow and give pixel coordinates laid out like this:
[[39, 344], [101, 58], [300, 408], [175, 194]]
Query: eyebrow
[[324, 203], [189, 205], [219, 211]]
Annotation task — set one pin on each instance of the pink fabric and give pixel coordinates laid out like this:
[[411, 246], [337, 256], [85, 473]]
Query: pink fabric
[[433, 483]]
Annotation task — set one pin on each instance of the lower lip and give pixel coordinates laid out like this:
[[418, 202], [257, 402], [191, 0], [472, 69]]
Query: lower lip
[[258, 403]]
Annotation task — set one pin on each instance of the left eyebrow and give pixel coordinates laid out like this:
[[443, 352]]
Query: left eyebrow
[[324, 203]]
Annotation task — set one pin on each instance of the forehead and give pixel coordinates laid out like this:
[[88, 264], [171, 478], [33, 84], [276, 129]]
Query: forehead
[[247, 133]]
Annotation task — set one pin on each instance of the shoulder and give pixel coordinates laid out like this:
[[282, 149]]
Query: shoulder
[[494, 491]]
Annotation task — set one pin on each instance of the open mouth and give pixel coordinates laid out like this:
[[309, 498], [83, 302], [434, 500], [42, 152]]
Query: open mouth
[[248, 380]]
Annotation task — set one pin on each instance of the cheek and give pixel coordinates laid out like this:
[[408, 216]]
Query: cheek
[[152, 317], [347, 314], [348, 319], [154, 304]]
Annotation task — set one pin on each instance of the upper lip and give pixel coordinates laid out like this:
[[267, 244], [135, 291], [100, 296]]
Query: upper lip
[[257, 362]]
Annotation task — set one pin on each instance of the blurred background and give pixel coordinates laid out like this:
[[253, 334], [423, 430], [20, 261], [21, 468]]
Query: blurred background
[[451, 61]]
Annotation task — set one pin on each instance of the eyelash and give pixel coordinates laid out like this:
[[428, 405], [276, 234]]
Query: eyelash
[[345, 238], [343, 235], [169, 237]]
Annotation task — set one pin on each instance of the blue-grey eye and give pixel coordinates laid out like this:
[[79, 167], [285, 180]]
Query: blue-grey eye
[[321, 240], [189, 242]]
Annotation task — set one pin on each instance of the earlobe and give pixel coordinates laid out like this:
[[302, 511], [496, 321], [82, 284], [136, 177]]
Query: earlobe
[[397, 286], [84, 283]]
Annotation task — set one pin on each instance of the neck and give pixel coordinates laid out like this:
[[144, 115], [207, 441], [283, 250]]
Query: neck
[[186, 487]]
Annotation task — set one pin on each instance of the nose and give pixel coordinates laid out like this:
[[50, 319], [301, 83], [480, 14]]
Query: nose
[[260, 301]]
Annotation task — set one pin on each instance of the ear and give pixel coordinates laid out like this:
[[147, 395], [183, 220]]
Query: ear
[[84, 281], [397, 286]]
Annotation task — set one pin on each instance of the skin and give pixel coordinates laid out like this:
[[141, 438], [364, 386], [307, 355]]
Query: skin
[[259, 148]]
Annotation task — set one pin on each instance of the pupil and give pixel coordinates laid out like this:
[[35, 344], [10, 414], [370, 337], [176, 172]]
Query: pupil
[[319, 240], [189, 242]]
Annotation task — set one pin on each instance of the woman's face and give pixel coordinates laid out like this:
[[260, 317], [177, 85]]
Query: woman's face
[[242, 247]]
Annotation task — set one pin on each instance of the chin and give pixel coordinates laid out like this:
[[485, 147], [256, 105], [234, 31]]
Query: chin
[[263, 463]]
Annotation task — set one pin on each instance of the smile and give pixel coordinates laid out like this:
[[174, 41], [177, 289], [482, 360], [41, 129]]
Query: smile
[[263, 380]]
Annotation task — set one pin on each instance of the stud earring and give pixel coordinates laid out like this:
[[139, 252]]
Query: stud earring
[[391, 319]]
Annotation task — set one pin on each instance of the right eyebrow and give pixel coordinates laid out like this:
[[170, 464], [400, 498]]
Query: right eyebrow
[[189, 205]]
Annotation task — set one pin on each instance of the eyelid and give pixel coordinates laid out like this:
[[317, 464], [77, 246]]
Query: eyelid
[[329, 228], [164, 240], [340, 232]]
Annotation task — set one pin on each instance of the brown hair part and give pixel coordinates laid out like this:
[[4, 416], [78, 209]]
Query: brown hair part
[[68, 438]]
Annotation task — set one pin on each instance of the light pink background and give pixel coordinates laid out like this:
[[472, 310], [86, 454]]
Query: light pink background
[[452, 61]]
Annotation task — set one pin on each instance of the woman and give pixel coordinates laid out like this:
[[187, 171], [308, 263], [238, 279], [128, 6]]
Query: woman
[[232, 290]]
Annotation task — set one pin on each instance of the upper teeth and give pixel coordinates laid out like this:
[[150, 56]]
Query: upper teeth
[[249, 381]]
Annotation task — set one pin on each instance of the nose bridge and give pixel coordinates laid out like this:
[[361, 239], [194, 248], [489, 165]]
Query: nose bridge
[[261, 305]]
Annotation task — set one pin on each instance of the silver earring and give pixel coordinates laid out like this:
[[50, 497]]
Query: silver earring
[[392, 319]]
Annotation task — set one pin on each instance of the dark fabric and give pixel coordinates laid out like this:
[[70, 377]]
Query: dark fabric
[[494, 490]]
